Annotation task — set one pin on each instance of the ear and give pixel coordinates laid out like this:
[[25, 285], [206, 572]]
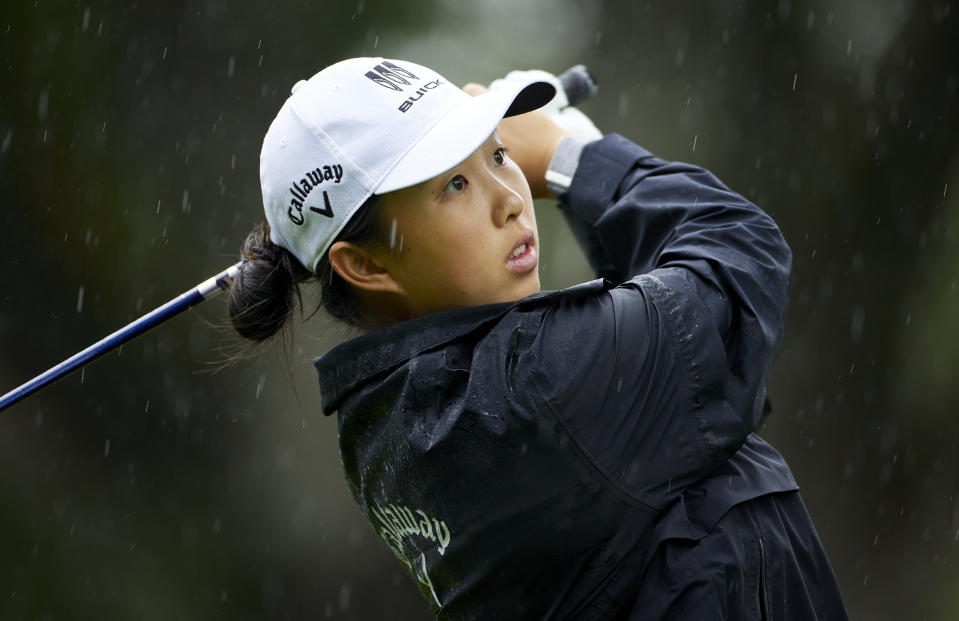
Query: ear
[[361, 268]]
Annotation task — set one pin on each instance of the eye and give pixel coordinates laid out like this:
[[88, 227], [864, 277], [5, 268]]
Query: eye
[[456, 185], [499, 156]]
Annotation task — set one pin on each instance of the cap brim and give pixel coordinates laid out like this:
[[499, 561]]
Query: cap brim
[[462, 130]]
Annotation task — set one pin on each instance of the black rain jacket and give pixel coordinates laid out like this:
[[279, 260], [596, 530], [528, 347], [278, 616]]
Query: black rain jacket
[[517, 457]]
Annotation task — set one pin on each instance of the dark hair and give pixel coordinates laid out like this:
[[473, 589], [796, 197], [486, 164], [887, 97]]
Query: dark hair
[[265, 290]]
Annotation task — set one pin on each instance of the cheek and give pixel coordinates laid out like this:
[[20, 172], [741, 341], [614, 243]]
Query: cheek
[[432, 256], [531, 210]]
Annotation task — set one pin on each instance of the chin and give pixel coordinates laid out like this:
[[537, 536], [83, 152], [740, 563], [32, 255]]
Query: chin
[[529, 288]]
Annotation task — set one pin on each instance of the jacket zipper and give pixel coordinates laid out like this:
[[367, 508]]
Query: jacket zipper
[[763, 604]]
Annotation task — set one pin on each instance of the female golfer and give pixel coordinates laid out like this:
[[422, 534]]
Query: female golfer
[[586, 453]]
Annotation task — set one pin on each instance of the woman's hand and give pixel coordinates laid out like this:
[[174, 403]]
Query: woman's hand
[[530, 140]]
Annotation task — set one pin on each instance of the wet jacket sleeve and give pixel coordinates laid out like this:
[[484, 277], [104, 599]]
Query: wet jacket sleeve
[[661, 378]]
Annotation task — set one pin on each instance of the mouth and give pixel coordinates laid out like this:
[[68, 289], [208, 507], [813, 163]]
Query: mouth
[[523, 257]]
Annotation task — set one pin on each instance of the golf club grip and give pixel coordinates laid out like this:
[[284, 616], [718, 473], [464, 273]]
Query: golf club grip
[[578, 83]]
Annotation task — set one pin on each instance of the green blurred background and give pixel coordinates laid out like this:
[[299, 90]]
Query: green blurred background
[[152, 487]]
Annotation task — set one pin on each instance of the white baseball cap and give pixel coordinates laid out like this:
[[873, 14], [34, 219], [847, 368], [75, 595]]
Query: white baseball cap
[[368, 126]]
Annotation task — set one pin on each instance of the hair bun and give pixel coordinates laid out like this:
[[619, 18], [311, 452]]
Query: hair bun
[[262, 294], [268, 253]]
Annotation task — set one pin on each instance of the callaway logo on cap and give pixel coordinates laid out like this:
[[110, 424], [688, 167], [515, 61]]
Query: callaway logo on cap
[[369, 126]]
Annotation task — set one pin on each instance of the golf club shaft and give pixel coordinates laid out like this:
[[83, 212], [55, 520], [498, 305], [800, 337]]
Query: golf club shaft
[[174, 307]]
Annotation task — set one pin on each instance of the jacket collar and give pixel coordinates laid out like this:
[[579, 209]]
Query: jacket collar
[[351, 363]]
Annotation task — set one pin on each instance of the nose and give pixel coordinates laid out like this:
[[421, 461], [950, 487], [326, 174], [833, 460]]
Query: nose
[[507, 202]]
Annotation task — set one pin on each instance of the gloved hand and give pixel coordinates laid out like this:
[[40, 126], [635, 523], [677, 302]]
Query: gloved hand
[[570, 119]]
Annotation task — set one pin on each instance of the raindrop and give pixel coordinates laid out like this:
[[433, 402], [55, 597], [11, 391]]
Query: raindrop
[[86, 19], [856, 323], [231, 67], [7, 140], [185, 204], [344, 597], [80, 300], [393, 235], [795, 78], [106, 449], [849, 47]]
